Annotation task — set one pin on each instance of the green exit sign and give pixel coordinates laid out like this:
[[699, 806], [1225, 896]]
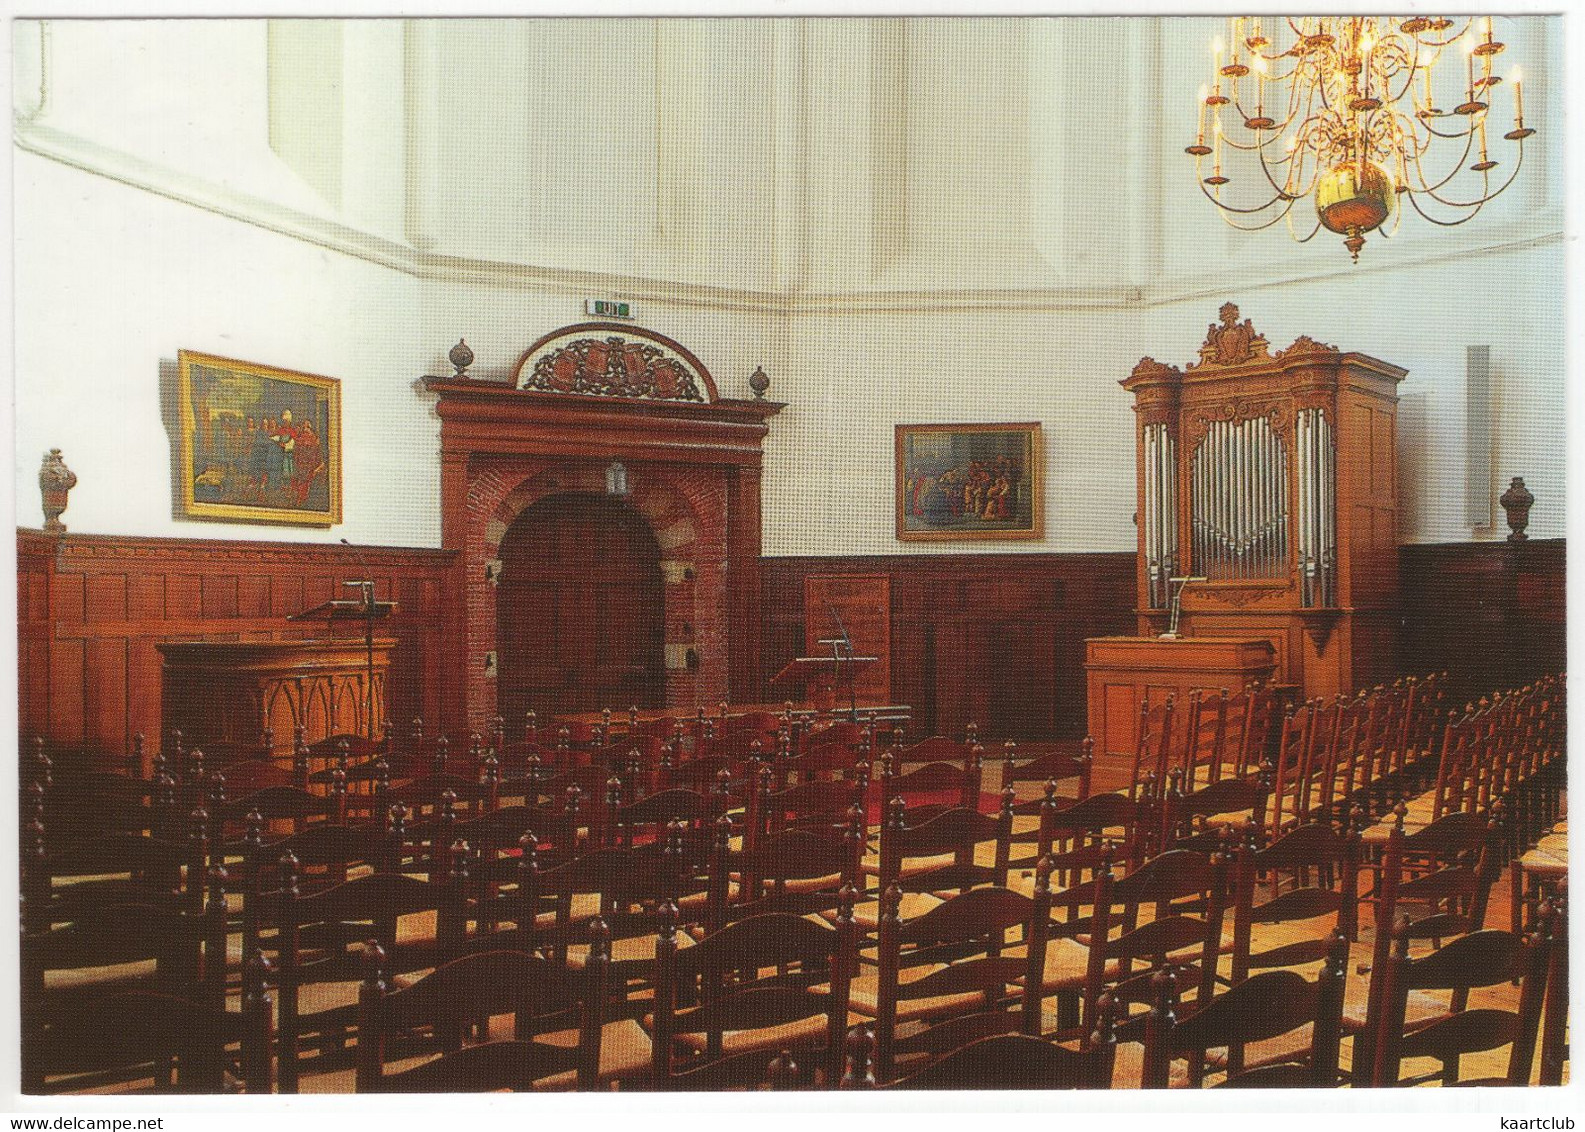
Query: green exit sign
[[608, 308]]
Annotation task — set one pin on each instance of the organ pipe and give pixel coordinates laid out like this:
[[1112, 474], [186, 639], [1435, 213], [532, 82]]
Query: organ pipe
[[1238, 501]]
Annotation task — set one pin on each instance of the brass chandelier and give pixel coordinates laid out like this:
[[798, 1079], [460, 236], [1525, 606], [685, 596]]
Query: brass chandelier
[[1354, 111]]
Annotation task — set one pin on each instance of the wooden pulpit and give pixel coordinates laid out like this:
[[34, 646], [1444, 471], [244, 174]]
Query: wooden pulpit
[[231, 691], [1124, 672]]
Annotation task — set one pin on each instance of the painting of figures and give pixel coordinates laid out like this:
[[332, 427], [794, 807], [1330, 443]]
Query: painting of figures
[[259, 444], [967, 482]]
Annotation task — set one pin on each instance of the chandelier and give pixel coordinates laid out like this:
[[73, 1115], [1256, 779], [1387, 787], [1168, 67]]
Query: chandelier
[[1354, 111]]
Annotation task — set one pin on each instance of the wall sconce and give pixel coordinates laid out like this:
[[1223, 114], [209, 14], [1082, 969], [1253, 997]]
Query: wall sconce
[[616, 478], [492, 571], [489, 665]]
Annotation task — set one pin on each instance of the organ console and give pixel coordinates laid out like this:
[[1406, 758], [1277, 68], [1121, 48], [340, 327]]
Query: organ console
[[1273, 477]]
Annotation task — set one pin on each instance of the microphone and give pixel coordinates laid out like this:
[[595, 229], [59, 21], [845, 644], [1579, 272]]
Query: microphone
[[367, 585], [1177, 603]]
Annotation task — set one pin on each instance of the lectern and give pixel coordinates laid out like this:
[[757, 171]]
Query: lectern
[[824, 679], [367, 611], [1274, 478]]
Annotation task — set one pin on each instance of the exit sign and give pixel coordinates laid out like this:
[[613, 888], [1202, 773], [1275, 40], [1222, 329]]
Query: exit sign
[[608, 308]]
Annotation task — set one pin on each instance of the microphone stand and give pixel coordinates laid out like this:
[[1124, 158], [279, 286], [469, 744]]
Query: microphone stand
[[366, 590], [1177, 605], [847, 645]]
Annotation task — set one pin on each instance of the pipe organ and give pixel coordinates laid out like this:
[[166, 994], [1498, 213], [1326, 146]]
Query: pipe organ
[[1273, 477]]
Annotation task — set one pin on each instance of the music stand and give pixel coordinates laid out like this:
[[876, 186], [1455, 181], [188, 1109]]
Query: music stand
[[362, 608], [819, 676]]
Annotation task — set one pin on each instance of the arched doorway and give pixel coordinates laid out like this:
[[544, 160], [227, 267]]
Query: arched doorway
[[579, 616]]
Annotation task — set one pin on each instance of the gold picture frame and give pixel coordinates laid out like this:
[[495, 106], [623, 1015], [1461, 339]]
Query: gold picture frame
[[259, 444], [969, 482]]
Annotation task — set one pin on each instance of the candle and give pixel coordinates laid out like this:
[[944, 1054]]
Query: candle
[[1518, 98], [1199, 128]]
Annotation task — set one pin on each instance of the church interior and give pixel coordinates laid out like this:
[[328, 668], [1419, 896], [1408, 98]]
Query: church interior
[[651, 554]]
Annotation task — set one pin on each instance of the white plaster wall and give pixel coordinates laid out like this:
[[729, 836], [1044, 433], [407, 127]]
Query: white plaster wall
[[902, 222], [113, 281], [829, 472]]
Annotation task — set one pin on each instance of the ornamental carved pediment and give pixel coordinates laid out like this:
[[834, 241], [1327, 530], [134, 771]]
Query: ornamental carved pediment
[[1230, 342], [614, 360], [1304, 344]]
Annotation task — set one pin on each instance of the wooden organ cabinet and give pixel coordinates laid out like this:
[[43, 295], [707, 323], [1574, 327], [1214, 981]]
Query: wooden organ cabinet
[[1274, 478]]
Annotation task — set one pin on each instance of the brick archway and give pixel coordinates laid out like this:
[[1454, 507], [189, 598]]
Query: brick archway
[[693, 472], [685, 508]]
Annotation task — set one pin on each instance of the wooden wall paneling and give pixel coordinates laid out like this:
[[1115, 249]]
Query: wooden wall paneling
[[863, 603], [67, 684], [91, 609], [105, 693], [993, 639], [1488, 613]]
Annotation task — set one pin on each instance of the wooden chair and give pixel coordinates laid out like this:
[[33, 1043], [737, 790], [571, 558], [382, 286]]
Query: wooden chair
[[1002, 1061], [1290, 771], [1054, 770], [1554, 1041], [1153, 744], [627, 888], [540, 996], [1310, 872], [956, 965], [796, 870], [1448, 868], [1195, 820], [939, 855], [1480, 959], [1204, 758], [728, 1019], [59, 885], [1266, 1006], [1186, 894], [175, 953], [932, 788], [317, 933], [810, 805], [179, 1045]]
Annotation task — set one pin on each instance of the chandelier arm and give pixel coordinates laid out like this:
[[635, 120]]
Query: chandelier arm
[[1257, 227], [1468, 131], [1270, 180], [1474, 210], [1450, 40], [1225, 207], [1485, 197], [1311, 236], [1458, 167]]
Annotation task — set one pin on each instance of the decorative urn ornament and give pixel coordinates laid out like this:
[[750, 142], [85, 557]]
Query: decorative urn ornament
[[759, 382], [1516, 501], [55, 482], [461, 357], [1353, 198]]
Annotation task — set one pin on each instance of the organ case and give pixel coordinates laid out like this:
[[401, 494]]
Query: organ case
[[1274, 477]]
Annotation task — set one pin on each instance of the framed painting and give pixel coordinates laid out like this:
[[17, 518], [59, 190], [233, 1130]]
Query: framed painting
[[964, 482], [258, 444]]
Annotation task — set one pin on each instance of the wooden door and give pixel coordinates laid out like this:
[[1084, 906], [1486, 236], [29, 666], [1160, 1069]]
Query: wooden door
[[579, 617]]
